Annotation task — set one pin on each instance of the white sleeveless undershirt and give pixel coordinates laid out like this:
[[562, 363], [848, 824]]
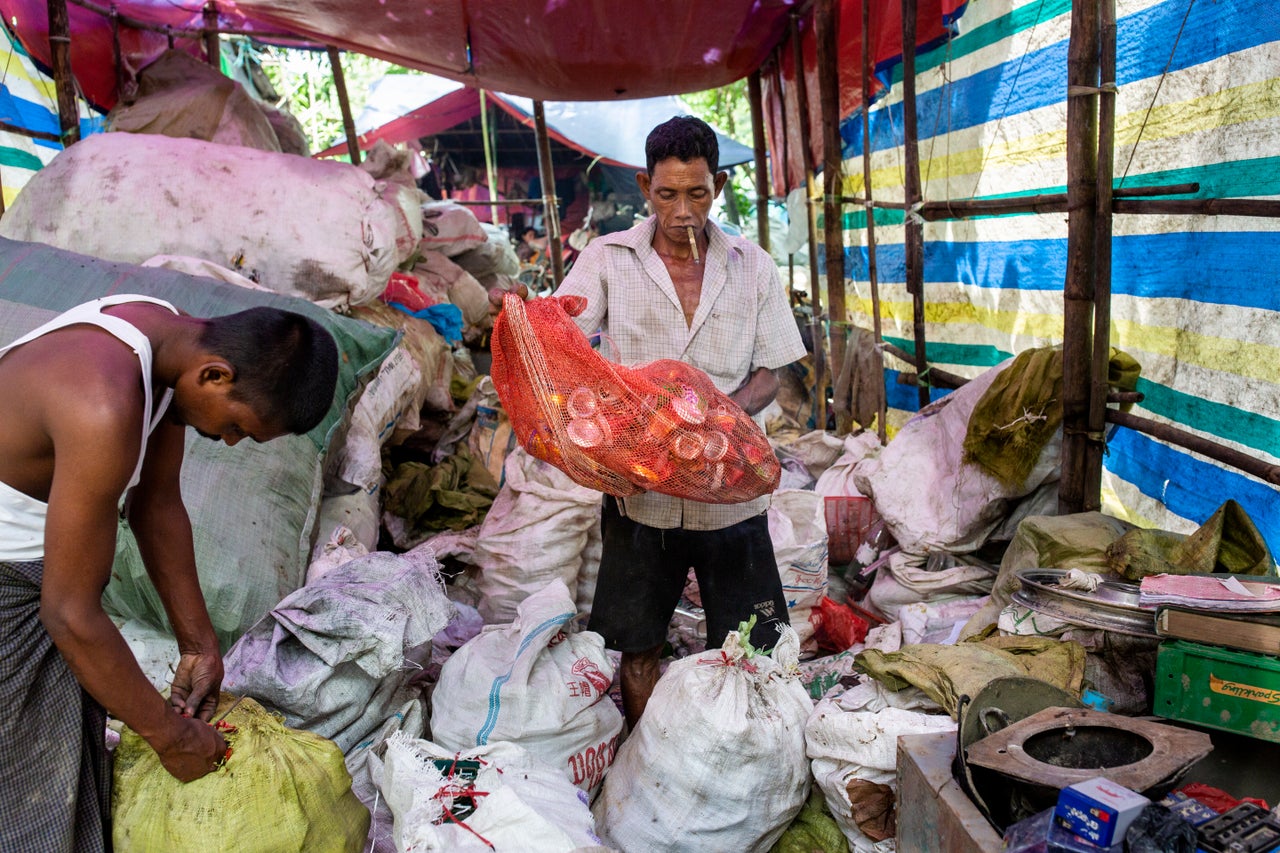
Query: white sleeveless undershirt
[[22, 517]]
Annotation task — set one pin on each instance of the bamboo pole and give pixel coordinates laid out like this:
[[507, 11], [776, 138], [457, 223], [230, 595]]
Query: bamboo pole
[[1269, 208], [1079, 287], [937, 378], [117, 60], [1264, 471], [826, 32], [348, 123], [872, 277], [963, 208], [28, 132], [60, 55], [761, 159], [820, 369], [1094, 447], [212, 48], [550, 204], [914, 227], [489, 170]]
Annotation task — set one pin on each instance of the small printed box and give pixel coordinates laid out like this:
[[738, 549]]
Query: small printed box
[[1189, 809], [1098, 810]]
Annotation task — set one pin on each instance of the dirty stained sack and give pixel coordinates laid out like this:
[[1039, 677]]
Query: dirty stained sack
[[497, 798], [945, 673], [294, 778], [717, 760], [333, 656], [532, 684]]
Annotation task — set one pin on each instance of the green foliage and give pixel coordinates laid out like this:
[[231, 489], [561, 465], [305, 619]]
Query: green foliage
[[304, 80], [728, 110]]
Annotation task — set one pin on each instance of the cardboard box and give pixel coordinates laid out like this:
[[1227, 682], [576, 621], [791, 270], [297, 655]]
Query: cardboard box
[[1098, 810]]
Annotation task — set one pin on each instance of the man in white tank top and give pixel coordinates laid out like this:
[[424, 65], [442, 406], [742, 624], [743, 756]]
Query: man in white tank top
[[81, 427]]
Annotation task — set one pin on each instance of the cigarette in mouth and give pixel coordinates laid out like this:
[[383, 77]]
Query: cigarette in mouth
[[693, 244]]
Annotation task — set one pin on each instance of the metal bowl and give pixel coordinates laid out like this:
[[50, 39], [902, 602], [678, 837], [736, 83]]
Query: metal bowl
[[1113, 606]]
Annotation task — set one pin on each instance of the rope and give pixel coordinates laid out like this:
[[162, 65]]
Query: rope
[[1156, 93]]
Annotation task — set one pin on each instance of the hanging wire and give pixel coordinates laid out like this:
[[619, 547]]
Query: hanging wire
[[1147, 115], [1013, 87]]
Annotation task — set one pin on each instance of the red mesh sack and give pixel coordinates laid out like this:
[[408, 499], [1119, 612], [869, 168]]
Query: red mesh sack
[[660, 427]]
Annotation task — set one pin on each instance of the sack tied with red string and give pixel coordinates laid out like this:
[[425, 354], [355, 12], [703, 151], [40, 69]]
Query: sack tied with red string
[[660, 427]]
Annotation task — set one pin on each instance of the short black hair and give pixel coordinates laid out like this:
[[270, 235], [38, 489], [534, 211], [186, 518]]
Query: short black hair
[[286, 365], [684, 137]]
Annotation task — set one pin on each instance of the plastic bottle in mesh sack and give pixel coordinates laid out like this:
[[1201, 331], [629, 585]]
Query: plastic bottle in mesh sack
[[661, 427]]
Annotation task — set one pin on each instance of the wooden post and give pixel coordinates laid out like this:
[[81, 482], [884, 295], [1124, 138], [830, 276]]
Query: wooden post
[[550, 204], [212, 48], [60, 54], [826, 25], [872, 278], [1079, 287], [820, 370], [1091, 492], [348, 123], [914, 242], [761, 157]]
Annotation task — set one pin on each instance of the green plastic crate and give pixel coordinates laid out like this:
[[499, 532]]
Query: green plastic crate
[[1219, 688]]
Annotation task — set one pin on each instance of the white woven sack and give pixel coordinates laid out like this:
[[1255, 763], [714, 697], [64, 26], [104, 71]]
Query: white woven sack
[[798, 528], [536, 531], [526, 806], [334, 656], [717, 760], [450, 228], [386, 402], [310, 228], [532, 684], [929, 499], [854, 736]]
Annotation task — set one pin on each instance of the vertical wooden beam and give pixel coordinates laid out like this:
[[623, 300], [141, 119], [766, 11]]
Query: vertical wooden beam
[[761, 157], [212, 48], [872, 278], [914, 225], [1091, 491], [820, 369], [348, 123], [826, 25], [60, 54], [1079, 287], [550, 204]]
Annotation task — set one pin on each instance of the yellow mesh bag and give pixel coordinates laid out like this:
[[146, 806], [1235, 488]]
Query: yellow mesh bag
[[282, 790], [661, 427]]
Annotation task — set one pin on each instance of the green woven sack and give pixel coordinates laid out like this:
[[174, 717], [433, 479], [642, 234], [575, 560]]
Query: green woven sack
[[282, 790]]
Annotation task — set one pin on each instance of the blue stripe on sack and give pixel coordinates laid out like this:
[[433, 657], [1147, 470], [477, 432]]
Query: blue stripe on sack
[[1189, 487], [1194, 265], [495, 690], [1143, 42]]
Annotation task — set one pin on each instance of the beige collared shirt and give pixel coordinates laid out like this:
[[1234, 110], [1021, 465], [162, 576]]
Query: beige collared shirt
[[742, 323]]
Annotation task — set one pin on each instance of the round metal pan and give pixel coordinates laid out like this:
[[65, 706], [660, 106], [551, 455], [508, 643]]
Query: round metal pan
[[1113, 606]]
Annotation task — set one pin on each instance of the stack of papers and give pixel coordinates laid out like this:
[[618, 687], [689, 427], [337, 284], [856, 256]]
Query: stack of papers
[[1209, 592]]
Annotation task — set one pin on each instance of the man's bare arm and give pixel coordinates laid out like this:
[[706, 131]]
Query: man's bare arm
[[96, 447], [758, 391], [163, 531]]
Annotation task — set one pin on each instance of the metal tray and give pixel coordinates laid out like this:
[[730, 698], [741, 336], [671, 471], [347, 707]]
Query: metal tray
[[1113, 606]]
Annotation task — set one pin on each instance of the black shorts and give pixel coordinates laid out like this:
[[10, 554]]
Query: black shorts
[[643, 571]]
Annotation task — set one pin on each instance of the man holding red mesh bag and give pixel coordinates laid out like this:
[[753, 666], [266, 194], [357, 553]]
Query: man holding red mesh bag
[[677, 287]]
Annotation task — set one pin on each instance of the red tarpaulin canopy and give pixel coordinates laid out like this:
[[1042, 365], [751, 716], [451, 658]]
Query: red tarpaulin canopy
[[779, 80], [561, 50]]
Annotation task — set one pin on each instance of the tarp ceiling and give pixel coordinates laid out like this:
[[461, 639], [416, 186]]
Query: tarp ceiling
[[565, 50], [403, 107]]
